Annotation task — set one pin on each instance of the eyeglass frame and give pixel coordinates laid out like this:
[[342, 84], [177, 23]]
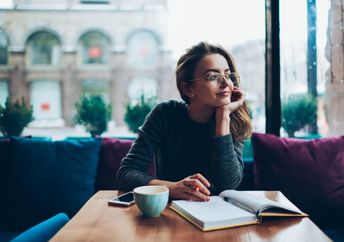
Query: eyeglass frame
[[219, 84]]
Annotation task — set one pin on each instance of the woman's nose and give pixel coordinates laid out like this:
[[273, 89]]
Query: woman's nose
[[227, 82]]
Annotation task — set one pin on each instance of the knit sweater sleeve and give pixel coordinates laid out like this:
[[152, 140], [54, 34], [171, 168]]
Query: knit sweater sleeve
[[227, 164], [133, 170]]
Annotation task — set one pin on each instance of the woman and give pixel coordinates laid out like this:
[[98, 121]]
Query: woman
[[198, 143]]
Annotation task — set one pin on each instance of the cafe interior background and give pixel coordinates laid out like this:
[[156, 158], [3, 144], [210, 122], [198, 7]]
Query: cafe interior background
[[125, 51]]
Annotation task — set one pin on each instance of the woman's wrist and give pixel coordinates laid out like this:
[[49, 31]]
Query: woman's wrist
[[222, 124], [167, 184], [158, 182]]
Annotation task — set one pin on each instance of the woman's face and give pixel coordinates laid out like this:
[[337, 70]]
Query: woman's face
[[207, 89]]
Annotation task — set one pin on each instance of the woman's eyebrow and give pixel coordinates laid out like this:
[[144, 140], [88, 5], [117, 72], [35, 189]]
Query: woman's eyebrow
[[214, 70]]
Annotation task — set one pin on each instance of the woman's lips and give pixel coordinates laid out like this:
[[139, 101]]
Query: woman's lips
[[225, 94]]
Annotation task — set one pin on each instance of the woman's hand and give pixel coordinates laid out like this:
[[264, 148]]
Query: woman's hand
[[223, 112], [193, 187], [237, 100]]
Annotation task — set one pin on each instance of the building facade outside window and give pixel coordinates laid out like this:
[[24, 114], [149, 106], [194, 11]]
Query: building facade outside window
[[76, 48], [43, 49]]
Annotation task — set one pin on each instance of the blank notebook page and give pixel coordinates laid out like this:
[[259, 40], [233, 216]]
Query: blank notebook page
[[216, 209]]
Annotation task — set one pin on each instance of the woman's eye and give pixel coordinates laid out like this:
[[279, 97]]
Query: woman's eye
[[227, 76], [212, 77]]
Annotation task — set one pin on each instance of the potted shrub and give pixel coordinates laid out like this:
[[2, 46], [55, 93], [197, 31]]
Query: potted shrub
[[136, 113], [93, 113], [297, 112], [14, 117]]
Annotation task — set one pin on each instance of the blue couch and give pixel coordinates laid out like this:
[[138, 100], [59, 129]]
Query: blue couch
[[40, 178], [43, 231]]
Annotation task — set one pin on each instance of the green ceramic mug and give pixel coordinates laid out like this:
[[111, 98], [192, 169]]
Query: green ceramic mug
[[151, 200]]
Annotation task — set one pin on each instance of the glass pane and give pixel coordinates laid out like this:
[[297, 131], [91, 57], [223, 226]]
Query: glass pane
[[46, 100], [3, 92], [303, 67], [141, 86], [333, 100], [3, 48], [96, 87], [95, 47], [142, 50], [44, 49], [239, 27]]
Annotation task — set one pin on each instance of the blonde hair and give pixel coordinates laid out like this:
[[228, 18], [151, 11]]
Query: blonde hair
[[240, 124]]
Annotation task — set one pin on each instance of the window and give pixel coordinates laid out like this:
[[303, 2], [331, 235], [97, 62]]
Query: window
[[235, 25], [3, 48], [3, 92], [46, 100], [43, 49], [95, 48], [142, 50], [251, 65], [96, 87], [303, 67], [142, 86]]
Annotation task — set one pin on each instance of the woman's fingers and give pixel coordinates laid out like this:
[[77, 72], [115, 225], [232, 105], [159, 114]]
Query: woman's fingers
[[194, 194], [237, 99], [193, 187], [201, 178], [195, 184], [237, 95]]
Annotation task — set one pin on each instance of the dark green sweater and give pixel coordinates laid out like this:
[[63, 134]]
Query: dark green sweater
[[182, 147]]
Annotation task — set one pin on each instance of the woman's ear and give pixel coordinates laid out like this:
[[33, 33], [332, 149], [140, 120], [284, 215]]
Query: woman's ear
[[187, 90]]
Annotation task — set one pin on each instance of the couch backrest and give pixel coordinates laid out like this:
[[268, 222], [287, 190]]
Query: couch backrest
[[55, 176], [247, 182], [309, 172], [4, 162], [51, 176], [112, 152]]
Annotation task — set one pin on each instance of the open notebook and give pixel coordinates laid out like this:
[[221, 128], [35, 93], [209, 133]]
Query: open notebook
[[231, 209]]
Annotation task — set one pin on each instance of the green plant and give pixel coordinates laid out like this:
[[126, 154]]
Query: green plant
[[297, 112], [136, 113], [93, 113], [14, 117]]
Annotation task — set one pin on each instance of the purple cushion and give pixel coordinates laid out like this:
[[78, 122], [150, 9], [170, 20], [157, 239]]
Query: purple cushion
[[112, 152], [309, 172]]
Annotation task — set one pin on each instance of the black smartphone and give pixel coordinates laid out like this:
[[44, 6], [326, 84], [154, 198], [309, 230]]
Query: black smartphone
[[126, 200]]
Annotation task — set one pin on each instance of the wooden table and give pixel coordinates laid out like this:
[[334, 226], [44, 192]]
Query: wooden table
[[97, 221]]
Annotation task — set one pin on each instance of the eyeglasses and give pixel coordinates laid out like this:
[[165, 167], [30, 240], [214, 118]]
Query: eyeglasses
[[217, 79]]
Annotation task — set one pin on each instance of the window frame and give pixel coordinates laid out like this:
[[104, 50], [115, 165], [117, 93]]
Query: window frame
[[272, 68]]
